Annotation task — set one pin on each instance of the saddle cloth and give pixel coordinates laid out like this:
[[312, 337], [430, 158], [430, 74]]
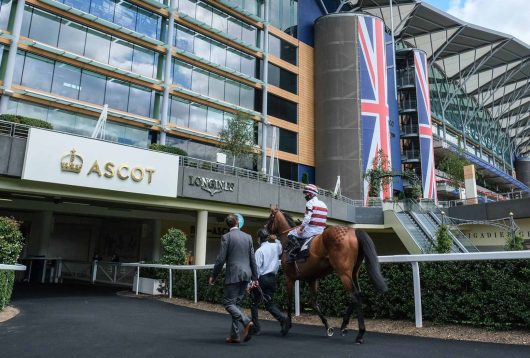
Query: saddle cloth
[[304, 249]]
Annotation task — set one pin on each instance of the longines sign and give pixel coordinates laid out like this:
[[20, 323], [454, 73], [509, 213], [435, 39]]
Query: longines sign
[[212, 186], [71, 160]]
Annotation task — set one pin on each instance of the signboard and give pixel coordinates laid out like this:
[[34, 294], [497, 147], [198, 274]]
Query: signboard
[[59, 158]]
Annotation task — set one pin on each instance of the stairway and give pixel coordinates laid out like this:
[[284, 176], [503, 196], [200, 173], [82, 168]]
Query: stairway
[[417, 233]]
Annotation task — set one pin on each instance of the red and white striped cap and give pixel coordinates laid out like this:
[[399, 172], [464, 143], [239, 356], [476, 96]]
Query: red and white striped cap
[[310, 188]]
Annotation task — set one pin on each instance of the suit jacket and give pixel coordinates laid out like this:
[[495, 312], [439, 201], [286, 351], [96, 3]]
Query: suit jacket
[[238, 254]]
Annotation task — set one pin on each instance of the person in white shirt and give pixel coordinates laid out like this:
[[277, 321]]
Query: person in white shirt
[[267, 263]]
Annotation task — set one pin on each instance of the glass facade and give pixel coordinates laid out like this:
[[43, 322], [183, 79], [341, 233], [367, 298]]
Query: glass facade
[[5, 10], [81, 40], [283, 49], [282, 78], [56, 77], [121, 13], [76, 123], [281, 108], [283, 14], [216, 19], [213, 51]]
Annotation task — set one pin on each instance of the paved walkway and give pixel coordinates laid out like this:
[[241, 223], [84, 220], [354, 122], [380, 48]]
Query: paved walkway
[[86, 321]]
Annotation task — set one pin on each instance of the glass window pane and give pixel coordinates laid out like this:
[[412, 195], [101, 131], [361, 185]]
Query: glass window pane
[[219, 21], [247, 97], [188, 7], [215, 121], [26, 20], [249, 35], [117, 94], [233, 60], [143, 61], [32, 110], [103, 9], [125, 15], [184, 39], [121, 54], [4, 14], [248, 66], [44, 27], [62, 120], [180, 112], [216, 87], [202, 47], [72, 37], [82, 5], [234, 28], [204, 13], [199, 81], [288, 141], [232, 92], [148, 23], [140, 101], [92, 87], [97, 46], [198, 117], [19, 66], [218, 54], [182, 74], [66, 80], [37, 73]]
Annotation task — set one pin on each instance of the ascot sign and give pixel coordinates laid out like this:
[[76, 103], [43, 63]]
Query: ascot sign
[[212, 186], [97, 164]]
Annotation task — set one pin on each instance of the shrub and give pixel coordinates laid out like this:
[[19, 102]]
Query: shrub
[[11, 242], [168, 149], [444, 242], [514, 243], [492, 294], [32, 122], [173, 252]]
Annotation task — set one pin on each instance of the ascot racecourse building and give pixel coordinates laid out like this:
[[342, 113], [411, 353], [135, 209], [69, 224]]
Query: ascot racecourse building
[[328, 84]]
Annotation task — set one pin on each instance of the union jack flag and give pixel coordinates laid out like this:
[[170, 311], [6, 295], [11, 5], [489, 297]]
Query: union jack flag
[[425, 126], [373, 94]]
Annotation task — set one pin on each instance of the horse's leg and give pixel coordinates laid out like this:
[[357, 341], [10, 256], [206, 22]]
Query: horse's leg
[[289, 284], [360, 314], [313, 285], [347, 283]]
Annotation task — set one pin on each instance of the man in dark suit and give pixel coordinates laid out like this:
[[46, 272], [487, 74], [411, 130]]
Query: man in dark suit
[[238, 254]]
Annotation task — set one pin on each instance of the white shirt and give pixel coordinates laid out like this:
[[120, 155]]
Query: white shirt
[[267, 257]]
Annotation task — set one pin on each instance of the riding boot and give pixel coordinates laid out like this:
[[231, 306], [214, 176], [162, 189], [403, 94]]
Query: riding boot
[[292, 248]]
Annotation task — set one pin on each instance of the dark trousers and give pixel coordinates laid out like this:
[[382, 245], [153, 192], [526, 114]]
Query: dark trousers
[[232, 298], [268, 286]]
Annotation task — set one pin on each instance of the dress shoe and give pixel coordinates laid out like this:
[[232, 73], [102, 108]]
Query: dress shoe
[[246, 332], [285, 326], [232, 340]]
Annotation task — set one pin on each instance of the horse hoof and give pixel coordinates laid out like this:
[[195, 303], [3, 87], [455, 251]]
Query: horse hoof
[[359, 341], [343, 332], [330, 331]]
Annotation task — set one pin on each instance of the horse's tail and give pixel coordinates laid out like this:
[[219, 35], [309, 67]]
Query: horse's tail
[[372, 262]]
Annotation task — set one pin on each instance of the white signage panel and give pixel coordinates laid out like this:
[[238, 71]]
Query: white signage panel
[[59, 158]]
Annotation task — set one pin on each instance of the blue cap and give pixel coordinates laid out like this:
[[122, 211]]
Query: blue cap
[[240, 219]]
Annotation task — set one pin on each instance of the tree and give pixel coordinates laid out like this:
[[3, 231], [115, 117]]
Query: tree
[[453, 165], [237, 137], [380, 175], [443, 240]]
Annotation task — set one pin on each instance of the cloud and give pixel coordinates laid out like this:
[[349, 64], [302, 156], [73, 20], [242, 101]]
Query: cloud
[[509, 16]]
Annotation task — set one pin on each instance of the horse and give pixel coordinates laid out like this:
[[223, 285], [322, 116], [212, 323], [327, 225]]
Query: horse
[[338, 249]]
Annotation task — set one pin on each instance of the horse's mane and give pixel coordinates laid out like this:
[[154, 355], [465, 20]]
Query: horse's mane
[[289, 219]]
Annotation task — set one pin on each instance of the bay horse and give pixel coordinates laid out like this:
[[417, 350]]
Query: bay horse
[[338, 249]]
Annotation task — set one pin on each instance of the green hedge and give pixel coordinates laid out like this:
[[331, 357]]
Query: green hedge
[[168, 149], [32, 122], [11, 242], [492, 294]]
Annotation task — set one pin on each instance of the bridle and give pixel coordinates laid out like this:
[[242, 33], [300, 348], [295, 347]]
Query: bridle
[[270, 223]]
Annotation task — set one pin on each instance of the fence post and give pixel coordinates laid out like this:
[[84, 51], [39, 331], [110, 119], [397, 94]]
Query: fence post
[[59, 271], [94, 271], [417, 294], [170, 284], [297, 298], [195, 283], [137, 278], [43, 278]]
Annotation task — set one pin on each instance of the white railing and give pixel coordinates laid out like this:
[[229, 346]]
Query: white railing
[[415, 259], [55, 269], [111, 272], [15, 267]]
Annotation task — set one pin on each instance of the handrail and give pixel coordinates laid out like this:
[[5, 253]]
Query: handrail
[[14, 267]]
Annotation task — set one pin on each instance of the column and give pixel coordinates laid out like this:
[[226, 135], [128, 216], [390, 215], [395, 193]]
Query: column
[[12, 56], [157, 231], [201, 234], [45, 227], [470, 184], [167, 72]]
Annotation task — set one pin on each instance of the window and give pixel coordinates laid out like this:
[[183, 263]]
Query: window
[[281, 108], [117, 94], [182, 74], [5, 10], [199, 81], [282, 78], [148, 23], [248, 65], [140, 101], [234, 28], [72, 37], [103, 9], [233, 60], [219, 54], [232, 92], [125, 15], [66, 80], [219, 21], [204, 13], [198, 117], [215, 121], [216, 87], [44, 27], [37, 73], [288, 141], [144, 61], [184, 39], [282, 49], [97, 46], [188, 7], [82, 5], [179, 112], [92, 87], [288, 170], [202, 47], [247, 96], [121, 54]]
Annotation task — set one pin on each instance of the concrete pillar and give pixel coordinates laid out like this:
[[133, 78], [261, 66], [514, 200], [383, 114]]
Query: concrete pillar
[[12, 56], [168, 65], [470, 184], [157, 233], [45, 228], [201, 234]]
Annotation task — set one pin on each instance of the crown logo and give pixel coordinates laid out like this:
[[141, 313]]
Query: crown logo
[[71, 162]]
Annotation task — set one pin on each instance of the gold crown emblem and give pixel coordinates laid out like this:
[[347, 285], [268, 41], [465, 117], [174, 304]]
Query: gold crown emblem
[[71, 162]]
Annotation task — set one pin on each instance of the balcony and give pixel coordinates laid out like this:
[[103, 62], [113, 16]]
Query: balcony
[[407, 105], [409, 130], [410, 156], [405, 78]]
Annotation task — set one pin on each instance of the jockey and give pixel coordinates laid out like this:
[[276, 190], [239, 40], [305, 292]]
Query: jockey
[[314, 223]]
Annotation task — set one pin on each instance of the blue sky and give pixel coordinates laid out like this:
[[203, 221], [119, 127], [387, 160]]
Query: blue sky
[[440, 4]]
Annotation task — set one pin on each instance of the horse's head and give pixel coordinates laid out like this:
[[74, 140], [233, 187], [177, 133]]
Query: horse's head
[[272, 225], [279, 223]]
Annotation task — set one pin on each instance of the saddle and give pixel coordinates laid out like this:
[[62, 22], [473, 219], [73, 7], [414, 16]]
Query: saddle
[[303, 253]]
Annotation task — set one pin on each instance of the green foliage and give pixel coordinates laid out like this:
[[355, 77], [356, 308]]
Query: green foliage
[[168, 149], [32, 122], [380, 175], [237, 137], [414, 191], [305, 178], [11, 243], [173, 247], [453, 165], [492, 294], [514, 243], [444, 242]]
